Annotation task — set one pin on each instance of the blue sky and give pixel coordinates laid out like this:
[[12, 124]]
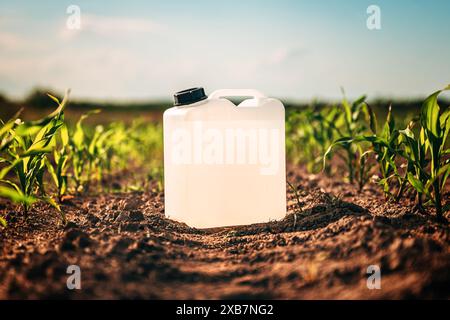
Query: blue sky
[[291, 49]]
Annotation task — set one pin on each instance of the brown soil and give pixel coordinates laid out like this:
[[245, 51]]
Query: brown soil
[[126, 248]]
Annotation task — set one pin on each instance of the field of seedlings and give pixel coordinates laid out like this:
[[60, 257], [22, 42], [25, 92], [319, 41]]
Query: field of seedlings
[[366, 188]]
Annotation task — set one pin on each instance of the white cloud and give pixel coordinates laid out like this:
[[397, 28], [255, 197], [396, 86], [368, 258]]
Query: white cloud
[[91, 68], [286, 54], [112, 26]]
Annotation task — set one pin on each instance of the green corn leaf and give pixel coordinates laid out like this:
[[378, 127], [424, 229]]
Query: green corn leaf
[[430, 113], [45, 135], [411, 145], [92, 144], [444, 117], [11, 184], [443, 172], [64, 135], [52, 202], [347, 112], [78, 137], [63, 185], [27, 129], [339, 142], [36, 151], [51, 170], [61, 106], [408, 133], [53, 98], [445, 125], [375, 140], [6, 127], [62, 164], [55, 114], [389, 125], [6, 169], [5, 143], [23, 142], [416, 183], [3, 222], [371, 117], [356, 105], [16, 196], [55, 205]]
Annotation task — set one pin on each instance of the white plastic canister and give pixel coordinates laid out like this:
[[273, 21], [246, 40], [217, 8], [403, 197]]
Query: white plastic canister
[[224, 164]]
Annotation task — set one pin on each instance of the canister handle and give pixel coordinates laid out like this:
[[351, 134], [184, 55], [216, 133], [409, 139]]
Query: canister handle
[[236, 93]]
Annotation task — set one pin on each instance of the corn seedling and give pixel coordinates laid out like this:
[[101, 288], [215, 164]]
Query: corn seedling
[[73, 158], [79, 148], [425, 151], [384, 146], [349, 126], [58, 169], [428, 175], [26, 155]]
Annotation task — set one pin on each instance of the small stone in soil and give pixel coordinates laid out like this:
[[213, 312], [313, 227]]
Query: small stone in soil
[[136, 215]]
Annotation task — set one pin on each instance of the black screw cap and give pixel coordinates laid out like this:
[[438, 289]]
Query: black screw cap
[[189, 96]]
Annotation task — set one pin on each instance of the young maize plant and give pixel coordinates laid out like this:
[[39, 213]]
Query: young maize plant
[[25, 156], [59, 168], [428, 175], [426, 152], [6, 139], [436, 127], [348, 126], [75, 157], [384, 146], [81, 160], [414, 151]]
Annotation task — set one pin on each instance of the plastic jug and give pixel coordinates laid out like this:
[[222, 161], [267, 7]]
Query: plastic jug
[[224, 165]]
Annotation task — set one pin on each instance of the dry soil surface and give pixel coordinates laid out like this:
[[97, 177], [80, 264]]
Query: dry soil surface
[[126, 248]]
